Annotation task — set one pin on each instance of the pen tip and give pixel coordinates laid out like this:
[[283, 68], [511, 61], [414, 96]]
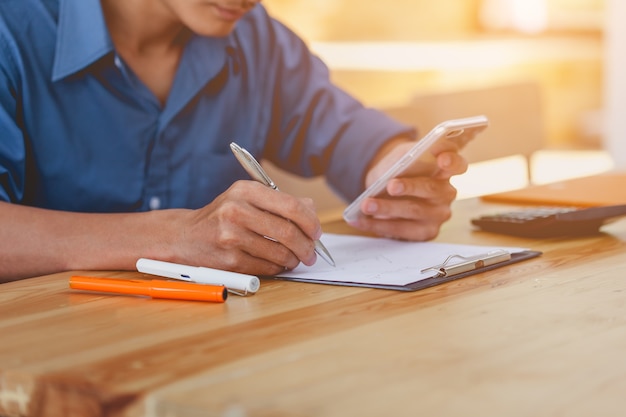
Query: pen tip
[[321, 250]]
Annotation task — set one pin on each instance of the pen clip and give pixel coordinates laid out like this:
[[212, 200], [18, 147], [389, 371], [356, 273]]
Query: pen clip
[[468, 263]]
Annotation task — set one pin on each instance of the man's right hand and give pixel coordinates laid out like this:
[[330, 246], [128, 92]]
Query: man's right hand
[[252, 229]]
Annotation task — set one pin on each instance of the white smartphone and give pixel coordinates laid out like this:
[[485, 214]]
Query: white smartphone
[[421, 158]]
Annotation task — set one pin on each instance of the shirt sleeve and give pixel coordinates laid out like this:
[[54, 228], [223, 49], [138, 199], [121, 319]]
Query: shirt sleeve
[[317, 127], [12, 148]]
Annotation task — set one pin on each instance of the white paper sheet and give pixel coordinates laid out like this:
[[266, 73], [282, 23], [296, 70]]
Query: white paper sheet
[[367, 260]]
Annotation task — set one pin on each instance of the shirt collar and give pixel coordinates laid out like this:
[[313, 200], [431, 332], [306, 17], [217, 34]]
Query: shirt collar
[[82, 37]]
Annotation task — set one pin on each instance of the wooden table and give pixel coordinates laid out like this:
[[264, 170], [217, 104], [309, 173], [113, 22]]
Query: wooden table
[[545, 337]]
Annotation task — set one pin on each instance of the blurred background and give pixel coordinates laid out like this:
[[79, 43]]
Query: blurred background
[[548, 73]]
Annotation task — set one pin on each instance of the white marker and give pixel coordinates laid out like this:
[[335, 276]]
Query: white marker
[[235, 282]]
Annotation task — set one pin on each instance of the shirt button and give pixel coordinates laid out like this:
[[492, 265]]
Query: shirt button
[[155, 203], [118, 62]]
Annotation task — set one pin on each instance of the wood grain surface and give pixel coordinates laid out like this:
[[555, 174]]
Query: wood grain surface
[[544, 337]]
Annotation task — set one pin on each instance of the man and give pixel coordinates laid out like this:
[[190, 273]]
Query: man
[[115, 121]]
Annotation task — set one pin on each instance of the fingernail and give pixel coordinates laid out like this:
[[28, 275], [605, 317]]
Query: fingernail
[[371, 207], [396, 188]]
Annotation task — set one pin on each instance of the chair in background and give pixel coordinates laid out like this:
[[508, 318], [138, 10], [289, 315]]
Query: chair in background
[[514, 112], [498, 157]]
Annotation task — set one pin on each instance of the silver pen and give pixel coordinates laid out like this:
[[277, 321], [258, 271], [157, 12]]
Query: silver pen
[[257, 173]]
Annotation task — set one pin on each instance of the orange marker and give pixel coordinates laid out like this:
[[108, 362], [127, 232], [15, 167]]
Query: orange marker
[[153, 288]]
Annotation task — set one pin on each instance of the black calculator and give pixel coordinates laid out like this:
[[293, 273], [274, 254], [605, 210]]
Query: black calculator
[[550, 221]]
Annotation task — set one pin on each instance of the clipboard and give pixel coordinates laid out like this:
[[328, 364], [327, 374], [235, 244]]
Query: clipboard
[[441, 279], [450, 267]]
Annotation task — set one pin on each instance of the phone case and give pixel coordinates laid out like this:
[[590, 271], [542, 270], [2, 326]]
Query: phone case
[[451, 134]]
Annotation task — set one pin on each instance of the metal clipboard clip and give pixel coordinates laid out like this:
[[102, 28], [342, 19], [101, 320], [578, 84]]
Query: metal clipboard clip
[[468, 263]]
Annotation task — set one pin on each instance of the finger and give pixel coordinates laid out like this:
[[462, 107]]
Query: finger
[[450, 164], [400, 228], [407, 209], [271, 254], [245, 252], [255, 214], [274, 238], [246, 263], [299, 211], [240, 248], [434, 190], [289, 236]]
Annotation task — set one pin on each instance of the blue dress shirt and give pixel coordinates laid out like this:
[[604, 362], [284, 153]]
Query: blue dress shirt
[[80, 132]]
